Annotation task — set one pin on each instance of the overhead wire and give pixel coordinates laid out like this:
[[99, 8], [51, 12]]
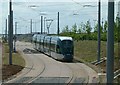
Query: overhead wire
[[26, 4], [37, 11]]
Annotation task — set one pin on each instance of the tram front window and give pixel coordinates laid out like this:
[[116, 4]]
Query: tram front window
[[67, 46]]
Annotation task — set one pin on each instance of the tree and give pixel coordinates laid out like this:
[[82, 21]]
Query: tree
[[88, 27], [66, 29], [82, 28], [105, 26], [96, 27], [79, 30], [74, 28], [116, 28]]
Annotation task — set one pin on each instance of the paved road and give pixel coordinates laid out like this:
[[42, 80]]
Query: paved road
[[43, 69]]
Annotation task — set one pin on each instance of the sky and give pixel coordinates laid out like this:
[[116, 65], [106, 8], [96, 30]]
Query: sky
[[58, 0], [24, 11]]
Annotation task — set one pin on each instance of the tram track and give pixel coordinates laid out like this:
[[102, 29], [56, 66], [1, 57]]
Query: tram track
[[57, 75], [76, 72], [72, 76], [25, 75], [70, 79], [51, 71], [34, 78], [22, 73]]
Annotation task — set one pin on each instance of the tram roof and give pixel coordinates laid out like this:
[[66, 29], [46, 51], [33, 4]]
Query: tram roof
[[56, 37], [61, 38]]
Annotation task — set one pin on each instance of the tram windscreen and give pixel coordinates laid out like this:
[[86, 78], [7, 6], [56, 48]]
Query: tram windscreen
[[67, 46]]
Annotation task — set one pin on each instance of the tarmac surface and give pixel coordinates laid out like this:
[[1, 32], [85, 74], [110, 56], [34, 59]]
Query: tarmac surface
[[43, 69]]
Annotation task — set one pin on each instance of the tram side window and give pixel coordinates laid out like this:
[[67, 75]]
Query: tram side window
[[52, 47], [58, 49], [39, 44], [34, 41], [42, 43], [47, 44]]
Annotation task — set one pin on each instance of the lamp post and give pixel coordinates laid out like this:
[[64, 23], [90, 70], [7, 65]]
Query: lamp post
[[33, 7], [44, 24], [48, 25]]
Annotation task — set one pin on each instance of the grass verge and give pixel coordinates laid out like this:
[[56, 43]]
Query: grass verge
[[86, 52], [18, 63]]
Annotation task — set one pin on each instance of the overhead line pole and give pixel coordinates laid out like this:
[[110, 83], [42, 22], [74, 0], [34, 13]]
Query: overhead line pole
[[99, 26], [31, 29], [10, 32], [110, 42], [44, 24], [58, 25], [119, 33], [31, 26], [6, 31], [15, 36], [41, 24]]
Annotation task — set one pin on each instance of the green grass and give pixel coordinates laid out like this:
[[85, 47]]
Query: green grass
[[86, 51], [16, 57]]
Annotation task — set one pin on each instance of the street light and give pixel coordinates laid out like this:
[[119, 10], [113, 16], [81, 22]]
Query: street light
[[48, 25], [44, 24]]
